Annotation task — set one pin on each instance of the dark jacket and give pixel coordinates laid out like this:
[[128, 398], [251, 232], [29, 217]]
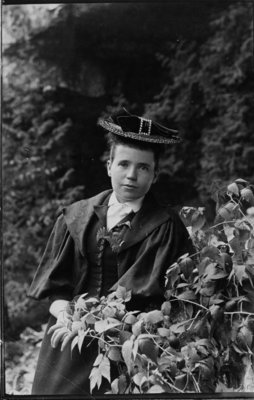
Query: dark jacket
[[156, 239]]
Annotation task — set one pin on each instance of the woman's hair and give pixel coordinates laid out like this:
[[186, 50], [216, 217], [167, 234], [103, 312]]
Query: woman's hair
[[115, 140]]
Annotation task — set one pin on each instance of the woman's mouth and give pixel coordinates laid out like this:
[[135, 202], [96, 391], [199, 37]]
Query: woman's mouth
[[130, 186]]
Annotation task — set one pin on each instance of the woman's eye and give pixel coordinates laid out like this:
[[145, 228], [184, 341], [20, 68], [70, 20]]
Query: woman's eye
[[143, 168], [123, 164]]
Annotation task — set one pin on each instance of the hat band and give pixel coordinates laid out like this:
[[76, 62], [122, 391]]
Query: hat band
[[145, 126]]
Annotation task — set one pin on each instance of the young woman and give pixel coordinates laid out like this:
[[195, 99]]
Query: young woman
[[151, 237]]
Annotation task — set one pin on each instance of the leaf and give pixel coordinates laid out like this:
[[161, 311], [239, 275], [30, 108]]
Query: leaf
[[76, 326], [240, 272], [187, 295], [197, 220], [216, 312], [124, 335], [81, 303], [233, 188], [130, 319], [89, 319], [81, 338], [245, 336], [164, 332], [208, 290], [183, 285], [186, 214], [178, 328], [122, 384], [92, 300], [127, 354], [119, 385], [229, 231], [186, 265], [180, 381], [137, 327], [241, 182], [123, 294], [250, 212], [114, 354], [166, 308], [154, 317], [74, 342], [213, 272], [237, 249], [114, 386], [135, 349], [247, 195], [109, 312], [104, 368], [250, 247], [226, 262], [139, 378], [227, 211], [248, 379], [95, 378], [214, 300], [211, 252], [206, 368], [147, 346], [202, 265], [189, 309], [172, 275], [182, 257], [106, 324], [98, 360], [221, 388], [190, 354], [155, 389], [243, 230], [237, 350], [204, 346]]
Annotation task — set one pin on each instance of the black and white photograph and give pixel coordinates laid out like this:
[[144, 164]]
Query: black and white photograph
[[128, 200]]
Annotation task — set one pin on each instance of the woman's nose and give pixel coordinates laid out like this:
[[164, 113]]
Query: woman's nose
[[132, 173]]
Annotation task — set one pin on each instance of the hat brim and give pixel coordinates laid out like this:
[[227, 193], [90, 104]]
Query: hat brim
[[117, 130]]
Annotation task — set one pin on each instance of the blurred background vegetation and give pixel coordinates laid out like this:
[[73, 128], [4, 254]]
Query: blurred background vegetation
[[188, 66]]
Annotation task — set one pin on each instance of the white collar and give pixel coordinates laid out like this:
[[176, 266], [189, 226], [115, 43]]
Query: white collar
[[135, 204]]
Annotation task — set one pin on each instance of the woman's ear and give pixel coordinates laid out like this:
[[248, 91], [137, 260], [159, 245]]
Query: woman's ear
[[109, 167]]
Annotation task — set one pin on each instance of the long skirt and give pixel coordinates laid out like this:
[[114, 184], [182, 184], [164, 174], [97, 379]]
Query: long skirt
[[65, 372]]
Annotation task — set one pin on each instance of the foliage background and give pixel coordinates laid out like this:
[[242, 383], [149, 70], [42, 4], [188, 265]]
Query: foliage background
[[188, 66]]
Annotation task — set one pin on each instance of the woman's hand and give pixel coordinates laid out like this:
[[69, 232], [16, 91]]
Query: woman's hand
[[62, 330]]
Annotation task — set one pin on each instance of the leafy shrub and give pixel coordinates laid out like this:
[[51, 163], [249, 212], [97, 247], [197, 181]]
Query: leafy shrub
[[201, 339], [20, 361]]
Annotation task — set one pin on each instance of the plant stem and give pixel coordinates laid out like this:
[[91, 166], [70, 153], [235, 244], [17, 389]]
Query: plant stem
[[99, 338], [221, 223], [157, 373], [191, 302], [195, 382], [237, 204], [193, 319], [239, 312]]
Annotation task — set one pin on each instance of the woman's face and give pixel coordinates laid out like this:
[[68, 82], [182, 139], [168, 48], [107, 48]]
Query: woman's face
[[132, 172]]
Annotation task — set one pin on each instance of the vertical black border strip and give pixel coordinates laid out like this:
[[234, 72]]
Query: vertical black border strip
[[173, 396], [2, 370]]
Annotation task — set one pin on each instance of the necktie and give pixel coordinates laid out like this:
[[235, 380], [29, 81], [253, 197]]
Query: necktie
[[116, 213]]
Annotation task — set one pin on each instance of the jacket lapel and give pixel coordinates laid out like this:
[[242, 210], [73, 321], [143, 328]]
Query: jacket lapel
[[78, 216], [149, 217]]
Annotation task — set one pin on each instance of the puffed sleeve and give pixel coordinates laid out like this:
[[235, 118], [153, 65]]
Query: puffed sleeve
[[55, 275]]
